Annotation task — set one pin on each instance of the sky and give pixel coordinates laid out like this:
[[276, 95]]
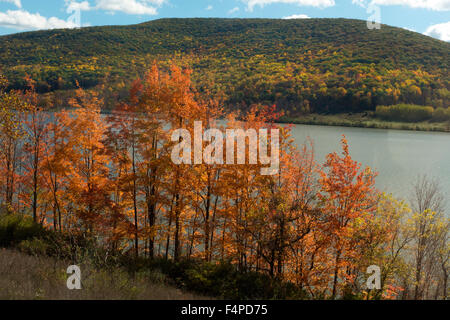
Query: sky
[[430, 17]]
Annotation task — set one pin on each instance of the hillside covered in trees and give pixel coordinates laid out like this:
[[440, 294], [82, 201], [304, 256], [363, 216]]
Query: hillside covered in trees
[[76, 185], [302, 66]]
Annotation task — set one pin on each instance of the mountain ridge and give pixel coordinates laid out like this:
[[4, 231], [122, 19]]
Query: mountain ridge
[[236, 53]]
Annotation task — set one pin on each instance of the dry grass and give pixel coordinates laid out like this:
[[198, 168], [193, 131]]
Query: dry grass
[[35, 277]]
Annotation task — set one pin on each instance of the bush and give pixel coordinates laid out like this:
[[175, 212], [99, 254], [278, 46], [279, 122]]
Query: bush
[[15, 228], [23, 233], [223, 280], [404, 113], [34, 247], [441, 115]]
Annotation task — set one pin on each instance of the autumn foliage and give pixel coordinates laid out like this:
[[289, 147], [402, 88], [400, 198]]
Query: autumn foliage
[[111, 178]]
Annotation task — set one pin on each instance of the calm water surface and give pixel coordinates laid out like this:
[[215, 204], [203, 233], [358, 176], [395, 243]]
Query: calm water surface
[[398, 156]]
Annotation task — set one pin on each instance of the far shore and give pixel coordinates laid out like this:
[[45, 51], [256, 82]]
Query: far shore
[[365, 120]]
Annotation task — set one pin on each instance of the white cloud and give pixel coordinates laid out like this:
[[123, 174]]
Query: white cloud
[[440, 31], [312, 3], [17, 3], [437, 5], [74, 6], [208, 8], [145, 7], [297, 16], [234, 10], [24, 20]]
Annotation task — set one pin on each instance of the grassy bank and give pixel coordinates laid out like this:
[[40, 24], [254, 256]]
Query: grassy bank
[[31, 277], [365, 120], [33, 264]]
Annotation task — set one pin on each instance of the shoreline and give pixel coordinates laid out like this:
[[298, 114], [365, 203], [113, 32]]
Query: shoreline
[[370, 122]]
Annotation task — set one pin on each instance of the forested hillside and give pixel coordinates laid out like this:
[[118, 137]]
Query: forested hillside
[[307, 65]]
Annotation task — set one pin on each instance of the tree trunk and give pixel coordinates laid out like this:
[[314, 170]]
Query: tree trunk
[[336, 274]]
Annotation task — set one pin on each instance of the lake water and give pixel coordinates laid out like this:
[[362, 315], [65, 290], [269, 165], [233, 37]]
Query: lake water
[[398, 156]]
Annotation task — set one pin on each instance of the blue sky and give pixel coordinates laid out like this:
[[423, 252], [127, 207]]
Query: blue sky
[[431, 17]]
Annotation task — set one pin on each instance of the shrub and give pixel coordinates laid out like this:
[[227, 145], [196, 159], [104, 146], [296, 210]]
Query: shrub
[[34, 247], [15, 228], [441, 115], [23, 233], [224, 281], [405, 113]]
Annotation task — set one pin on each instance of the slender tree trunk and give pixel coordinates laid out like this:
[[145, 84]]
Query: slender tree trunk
[[151, 208], [35, 185], [207, 227], [280, 250], [151, 201], [177, 211], [444, 284], [176, 253], [55, 220], [213, 227], [336, 274], [169, 231], [136, 218], [418, 278], [272, 263]]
